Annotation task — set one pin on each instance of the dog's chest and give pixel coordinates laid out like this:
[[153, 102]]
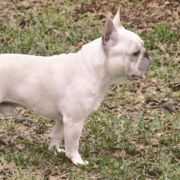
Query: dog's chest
[[97, 97]]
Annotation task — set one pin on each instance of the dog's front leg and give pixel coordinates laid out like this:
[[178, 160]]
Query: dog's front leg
[[72, 133], [57, 136]]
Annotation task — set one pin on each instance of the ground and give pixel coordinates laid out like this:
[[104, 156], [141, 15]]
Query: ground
[[135, 134]]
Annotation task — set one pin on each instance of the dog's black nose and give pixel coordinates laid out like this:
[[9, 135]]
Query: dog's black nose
[[146, 55]]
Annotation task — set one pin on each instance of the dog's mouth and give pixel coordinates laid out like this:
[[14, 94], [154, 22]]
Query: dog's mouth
[[134, 77], [142, 74], [143, 67]]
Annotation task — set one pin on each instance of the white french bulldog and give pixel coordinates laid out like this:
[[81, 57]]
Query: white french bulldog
[[69, 87]]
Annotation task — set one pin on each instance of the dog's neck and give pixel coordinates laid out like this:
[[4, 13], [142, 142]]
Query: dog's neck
[[97, 61], [94, 55]]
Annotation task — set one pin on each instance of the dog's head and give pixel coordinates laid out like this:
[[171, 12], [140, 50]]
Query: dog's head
[[125, 50]]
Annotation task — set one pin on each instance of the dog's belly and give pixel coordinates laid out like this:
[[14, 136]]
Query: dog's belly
[[43, 107], [48, 110]]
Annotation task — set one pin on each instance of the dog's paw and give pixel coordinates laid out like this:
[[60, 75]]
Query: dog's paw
[[59, 150], [79, 161]]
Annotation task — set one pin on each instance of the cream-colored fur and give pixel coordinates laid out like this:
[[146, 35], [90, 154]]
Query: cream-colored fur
[[69, 87]]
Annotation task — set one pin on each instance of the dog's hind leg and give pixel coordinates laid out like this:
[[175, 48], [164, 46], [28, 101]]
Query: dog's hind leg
[[57, 136], [7, 108]]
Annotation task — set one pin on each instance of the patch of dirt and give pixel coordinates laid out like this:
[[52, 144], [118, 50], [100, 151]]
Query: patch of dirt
[[140, 14]]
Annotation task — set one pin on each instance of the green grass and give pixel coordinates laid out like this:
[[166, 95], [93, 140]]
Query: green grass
[[135, 132]]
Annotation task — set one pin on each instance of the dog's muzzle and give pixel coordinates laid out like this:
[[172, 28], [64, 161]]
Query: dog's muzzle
[[145, 63]]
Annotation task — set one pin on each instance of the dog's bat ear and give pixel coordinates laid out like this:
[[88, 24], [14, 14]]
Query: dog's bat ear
[[110, 34], [116, 20]]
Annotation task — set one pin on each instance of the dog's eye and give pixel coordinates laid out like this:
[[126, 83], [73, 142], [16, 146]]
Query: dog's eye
[[136, 53]]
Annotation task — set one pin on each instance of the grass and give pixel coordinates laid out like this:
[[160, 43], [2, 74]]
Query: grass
[[133, 135]]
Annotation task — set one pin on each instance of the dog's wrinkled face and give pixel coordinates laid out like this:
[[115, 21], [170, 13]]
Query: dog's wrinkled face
[[126, 49], [136, 57]]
